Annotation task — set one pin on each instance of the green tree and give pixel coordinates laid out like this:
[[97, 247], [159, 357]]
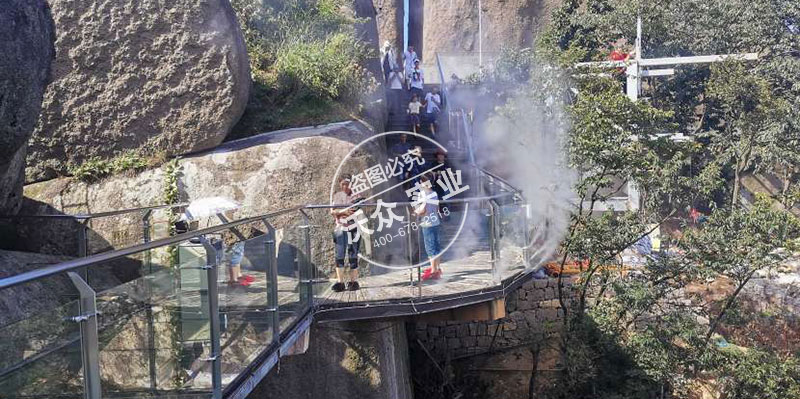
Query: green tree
[[750, 118]]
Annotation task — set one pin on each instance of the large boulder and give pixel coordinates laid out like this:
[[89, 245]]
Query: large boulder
[[26, 45], [166, 77]]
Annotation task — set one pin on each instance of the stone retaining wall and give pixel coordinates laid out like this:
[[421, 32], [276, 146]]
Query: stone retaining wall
[[533, 312]]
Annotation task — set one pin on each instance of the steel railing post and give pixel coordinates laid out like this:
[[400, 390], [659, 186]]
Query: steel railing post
[[90, 350], [272, 283], [83, 239], [83, 245], [526, 244], [494, 246], [146, 238], [148, 268], [307, 278], [213, 317], [409, 244]]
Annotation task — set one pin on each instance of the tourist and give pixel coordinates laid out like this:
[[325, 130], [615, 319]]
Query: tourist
[[395, 82], [428, 213], [440, 164], [433, 104], [437, 169], [413, 112], [234, 240], [400, 148], [409, 56], [416, 82], [346, 244], [415, 168]]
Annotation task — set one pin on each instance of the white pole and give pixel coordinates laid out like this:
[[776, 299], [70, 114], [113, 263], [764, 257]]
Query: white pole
[[480, 35], [405, 26]]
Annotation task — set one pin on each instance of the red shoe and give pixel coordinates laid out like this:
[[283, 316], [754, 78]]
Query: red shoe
[[247, 278], [239, 283], [437, 275], [426, 275]]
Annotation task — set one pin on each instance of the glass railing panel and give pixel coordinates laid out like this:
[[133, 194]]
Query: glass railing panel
[[512, 237], [246, 312], [466, 262], [154, 330], [322, 251], [394, 257], [290, 245], [40, 355]]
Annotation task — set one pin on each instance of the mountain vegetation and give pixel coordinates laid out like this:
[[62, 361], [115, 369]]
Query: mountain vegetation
[[307, 63], [677, 327]]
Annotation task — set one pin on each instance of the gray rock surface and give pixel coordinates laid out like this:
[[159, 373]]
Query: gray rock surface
[[452, 26], [362, 360], [26, 45], [264, 173], [390, 23], [167, 77]]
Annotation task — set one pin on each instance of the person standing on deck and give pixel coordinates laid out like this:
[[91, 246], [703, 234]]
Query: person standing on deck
[[234, 240], [428, 213], [345, 246], [437, 169]]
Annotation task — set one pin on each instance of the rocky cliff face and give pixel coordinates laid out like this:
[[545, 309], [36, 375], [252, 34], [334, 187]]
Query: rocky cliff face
[[452, 25], [264, 173], [26, 45], [347, 360], [164, 77], [390, 23]]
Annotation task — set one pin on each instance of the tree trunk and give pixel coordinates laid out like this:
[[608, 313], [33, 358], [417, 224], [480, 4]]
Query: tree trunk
[[713, 326], [534, 370], [735, 200]]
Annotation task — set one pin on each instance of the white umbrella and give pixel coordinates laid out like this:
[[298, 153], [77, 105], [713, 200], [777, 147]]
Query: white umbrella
[[207, 207]]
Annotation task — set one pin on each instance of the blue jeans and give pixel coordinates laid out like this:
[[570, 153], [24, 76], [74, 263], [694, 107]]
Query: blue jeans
[[342, 247], [431, 237], [234, 254]]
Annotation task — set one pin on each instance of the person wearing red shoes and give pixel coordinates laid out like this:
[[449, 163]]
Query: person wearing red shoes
[[428, 213], [234, 240]]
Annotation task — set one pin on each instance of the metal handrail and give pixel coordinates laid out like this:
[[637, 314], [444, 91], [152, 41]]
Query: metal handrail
[[442, 84], [76, 264], [98, 215], [502, 181]]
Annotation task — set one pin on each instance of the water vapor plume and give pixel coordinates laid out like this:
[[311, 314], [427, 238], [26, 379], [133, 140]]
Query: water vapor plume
[[525, 140]]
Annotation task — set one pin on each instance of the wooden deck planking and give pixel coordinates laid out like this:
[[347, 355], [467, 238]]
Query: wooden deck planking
[[470, 273]]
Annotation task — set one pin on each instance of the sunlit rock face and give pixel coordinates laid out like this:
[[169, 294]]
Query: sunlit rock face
[[264, 173], [390, 22], [453, 26], [26, 51], [165, 77]]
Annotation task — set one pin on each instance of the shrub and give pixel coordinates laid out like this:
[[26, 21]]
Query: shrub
[[326, 69], [306, 62], [96, 168]]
